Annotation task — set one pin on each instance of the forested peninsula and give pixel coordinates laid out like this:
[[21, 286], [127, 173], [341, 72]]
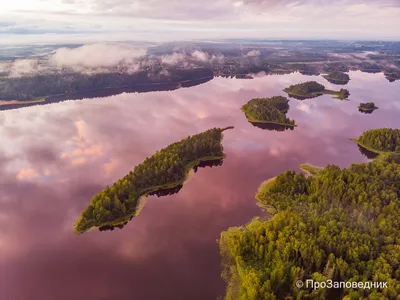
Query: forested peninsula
[[383, 140], [268, 110], [313, 89], [337, 77], [367, 107], [166, 169], [339, 225], [40, 88]]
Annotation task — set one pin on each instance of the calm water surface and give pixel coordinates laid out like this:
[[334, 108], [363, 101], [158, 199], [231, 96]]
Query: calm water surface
[[54, 158]]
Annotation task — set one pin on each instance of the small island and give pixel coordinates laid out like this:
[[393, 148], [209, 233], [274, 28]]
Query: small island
[[380, 141], [313, 89], [392, 74], [333, 225], [268, 111], [337, 77], [163, 173], [367, 107]]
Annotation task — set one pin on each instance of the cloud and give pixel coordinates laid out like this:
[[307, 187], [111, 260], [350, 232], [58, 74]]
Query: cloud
[[173, 9], [219, 58], [91, 58], [96, 56], [305, 107], [25, 67], [4, 67], [220, 10], [200, 56], [183, 57], [110, 166], [156, 20], [253, 53], [29, 173], [78, 161], [173, 59], [94, 150], [254, 19], [83, 146], [105, 57], [292, 3]]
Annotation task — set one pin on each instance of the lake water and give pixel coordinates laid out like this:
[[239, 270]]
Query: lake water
[[54, 158]]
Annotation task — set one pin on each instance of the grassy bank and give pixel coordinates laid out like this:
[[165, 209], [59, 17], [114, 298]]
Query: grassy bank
[[310, 170], [369, 148]]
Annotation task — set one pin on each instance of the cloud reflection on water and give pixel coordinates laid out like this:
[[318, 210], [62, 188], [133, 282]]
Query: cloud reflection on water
[[55, 158]]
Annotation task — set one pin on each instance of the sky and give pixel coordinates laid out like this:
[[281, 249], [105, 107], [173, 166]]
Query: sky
[[84, 21]]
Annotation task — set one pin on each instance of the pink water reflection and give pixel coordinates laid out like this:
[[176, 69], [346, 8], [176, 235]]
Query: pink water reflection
[[55, 158]]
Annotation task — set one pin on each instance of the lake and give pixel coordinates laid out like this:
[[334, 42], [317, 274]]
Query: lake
[[54, 158]]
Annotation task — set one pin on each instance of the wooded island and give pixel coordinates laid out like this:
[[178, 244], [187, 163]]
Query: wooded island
[[383, 140], [337, 77], [165, 170], [268, 110], [367, 107], [339, 225], [313, 89]]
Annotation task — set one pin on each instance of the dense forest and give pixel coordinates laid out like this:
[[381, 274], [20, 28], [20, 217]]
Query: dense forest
[[165, 169], [337, 77], [368, 106], [312, 89], [309, 88], [381, 140], [341, 225], [38, 86], [268, 110]]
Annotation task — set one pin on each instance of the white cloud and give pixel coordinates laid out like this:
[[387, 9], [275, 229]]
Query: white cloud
[[173, 59], [4, 67], [303, 106], [25, 67], [103, 20], [182, 57], [82, 147], [219, 58], [104, 57], [253, 53], [237, 3], [200, 56], [91, 58], [96, 56]]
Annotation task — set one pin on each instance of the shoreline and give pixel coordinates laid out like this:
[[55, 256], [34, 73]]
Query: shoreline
[[341, 81], [369, 148], [367, 109], [310, 170], [252, 120], [266, 184], [336, 94], [142, 198], [311, 95], [271, 122], [50, 99]]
